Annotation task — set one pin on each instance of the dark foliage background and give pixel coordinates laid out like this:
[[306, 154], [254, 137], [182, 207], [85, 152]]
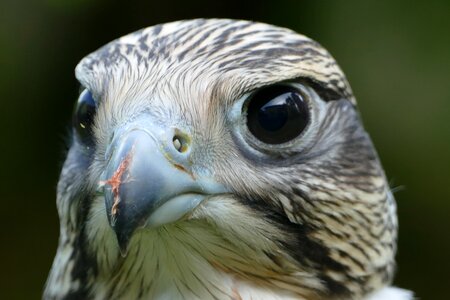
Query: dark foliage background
[[396, 55]]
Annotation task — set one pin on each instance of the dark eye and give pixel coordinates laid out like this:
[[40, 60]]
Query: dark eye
[[83, 117], [277, 114]]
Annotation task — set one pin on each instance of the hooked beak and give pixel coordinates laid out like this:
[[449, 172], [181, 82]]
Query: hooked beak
[[148, 182]]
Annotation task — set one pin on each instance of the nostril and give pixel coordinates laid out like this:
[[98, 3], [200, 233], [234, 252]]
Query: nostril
[[180, 143]]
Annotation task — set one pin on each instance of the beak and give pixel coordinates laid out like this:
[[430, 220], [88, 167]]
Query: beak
[[148, 181]]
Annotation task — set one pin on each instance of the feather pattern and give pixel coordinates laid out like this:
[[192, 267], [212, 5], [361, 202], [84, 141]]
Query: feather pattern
[[314, 219]]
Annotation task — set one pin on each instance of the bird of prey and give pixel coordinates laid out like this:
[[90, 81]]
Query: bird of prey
[[220, 159]]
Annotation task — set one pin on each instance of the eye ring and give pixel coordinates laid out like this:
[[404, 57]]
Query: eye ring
[[83, 117], [277, 114]]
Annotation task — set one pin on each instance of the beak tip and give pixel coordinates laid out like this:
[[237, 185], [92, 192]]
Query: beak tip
[[123, 241]]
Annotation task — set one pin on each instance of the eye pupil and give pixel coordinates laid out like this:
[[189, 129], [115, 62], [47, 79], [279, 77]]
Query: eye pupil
[[84, 116], [274, 114], [277, 114]]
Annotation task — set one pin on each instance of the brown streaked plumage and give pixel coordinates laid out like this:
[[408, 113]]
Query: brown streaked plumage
[[309, 218]]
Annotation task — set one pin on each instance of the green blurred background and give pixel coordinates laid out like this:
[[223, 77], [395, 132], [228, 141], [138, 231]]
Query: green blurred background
[[396, 55]]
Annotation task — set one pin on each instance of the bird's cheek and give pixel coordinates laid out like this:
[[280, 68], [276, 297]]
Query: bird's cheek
[[148, 181]]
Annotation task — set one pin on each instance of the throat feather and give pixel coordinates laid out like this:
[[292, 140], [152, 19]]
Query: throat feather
[[191, 259]]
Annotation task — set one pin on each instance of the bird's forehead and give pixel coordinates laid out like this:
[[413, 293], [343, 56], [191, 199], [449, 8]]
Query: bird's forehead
[[195, 56]]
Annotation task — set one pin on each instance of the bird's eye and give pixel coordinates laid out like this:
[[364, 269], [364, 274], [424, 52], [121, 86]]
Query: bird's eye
[[277, 114], [83, 117]]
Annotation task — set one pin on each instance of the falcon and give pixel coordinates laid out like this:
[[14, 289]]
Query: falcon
[[220, 159]]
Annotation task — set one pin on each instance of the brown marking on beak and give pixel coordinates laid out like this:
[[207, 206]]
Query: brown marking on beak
[[183, 169], [116, 180]]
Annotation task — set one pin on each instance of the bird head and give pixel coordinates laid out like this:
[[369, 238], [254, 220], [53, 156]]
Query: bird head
[[211, 148]]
